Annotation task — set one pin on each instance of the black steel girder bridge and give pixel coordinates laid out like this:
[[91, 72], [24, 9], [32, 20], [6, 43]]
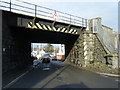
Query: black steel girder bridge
[[24, 23]]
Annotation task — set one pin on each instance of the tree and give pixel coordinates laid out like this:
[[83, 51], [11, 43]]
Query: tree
[[49, 48]]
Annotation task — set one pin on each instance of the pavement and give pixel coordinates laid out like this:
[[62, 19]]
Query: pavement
[[107, 74], [95, 71]]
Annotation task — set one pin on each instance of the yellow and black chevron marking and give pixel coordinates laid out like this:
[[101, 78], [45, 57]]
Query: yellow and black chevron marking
[[63, 30], [54, 29], [59, 29], [44, 27], [74, 31], [39, 26], [30, 25], [71, 30], [51, 28]]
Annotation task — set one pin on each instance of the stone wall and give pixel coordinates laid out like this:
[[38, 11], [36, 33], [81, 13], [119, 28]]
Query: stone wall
[[76, 55], [16, 52], [94, 50], [99, 51], [87, 50]]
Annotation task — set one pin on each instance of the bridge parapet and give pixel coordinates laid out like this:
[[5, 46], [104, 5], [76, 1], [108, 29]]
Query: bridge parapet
[[41, 12]]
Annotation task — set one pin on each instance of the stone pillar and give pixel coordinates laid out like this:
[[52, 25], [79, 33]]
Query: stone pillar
[[88, 48]]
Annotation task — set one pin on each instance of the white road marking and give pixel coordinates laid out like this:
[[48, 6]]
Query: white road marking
[[16, 79], [117, 80], [46, 68]]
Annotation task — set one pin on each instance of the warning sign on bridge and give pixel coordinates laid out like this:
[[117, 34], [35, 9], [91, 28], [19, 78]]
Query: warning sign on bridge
[[55, 16]]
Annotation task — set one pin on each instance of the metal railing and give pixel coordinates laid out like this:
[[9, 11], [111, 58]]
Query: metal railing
[[26, 8]]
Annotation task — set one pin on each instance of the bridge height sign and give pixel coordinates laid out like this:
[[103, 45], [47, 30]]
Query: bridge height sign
[[55, 16]]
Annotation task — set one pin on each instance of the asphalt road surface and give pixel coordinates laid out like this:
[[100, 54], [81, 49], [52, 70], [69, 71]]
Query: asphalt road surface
[[61, 75]]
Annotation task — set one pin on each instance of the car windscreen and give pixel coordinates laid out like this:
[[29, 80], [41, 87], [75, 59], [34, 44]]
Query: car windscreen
[[46, 55]]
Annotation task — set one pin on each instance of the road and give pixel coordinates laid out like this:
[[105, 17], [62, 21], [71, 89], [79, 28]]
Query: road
[[63, 75]]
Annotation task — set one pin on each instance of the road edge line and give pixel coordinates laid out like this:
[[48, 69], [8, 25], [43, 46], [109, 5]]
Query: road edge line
[[16, 79]]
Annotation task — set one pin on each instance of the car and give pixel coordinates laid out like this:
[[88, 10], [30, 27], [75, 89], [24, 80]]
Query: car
[[54, 58], [36, 63], [51, 55], [38, 57], [46, 58]]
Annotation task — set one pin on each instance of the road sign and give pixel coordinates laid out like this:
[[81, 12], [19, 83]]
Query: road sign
[[55, 16]]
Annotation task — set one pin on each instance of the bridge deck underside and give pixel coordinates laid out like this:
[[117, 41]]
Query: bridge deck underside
[[40, 36]]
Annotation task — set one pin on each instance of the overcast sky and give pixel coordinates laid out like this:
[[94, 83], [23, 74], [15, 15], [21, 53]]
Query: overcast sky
[[107, 9]]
